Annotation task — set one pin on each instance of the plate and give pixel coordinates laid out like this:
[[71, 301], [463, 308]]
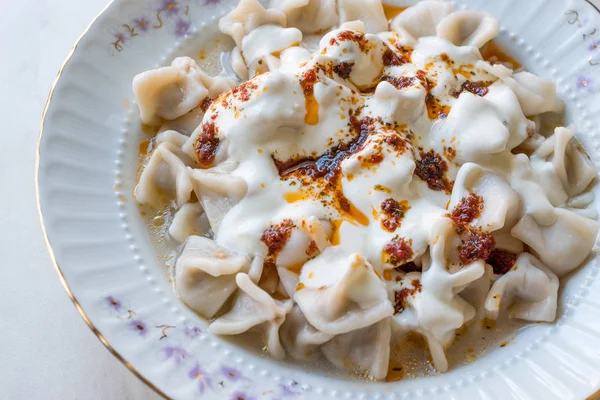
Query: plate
[[104, 255]]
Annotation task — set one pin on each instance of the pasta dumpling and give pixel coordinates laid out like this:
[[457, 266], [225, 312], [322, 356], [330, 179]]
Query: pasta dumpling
[[420, 20], [468, 28], [173, 91], [529, 291], [248, 15], [189, 220], [370, 12], [205, 274], [253, 307], [299, 338], [357, 298], [310, 16]]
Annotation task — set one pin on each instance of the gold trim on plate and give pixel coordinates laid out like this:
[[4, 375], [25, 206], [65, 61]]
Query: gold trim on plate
[[593, 396], [50, 250]]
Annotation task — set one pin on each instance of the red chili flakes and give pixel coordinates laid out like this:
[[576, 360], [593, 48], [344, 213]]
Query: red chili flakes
[[405, 53], [245, 90], [477, 88], [207, 144], [501, 261], [343, 69], [394, 212], [308, 81], [435, 109], [432, 169], [357, 37], [392, 58], [466, 211], [396, 142], [328, 165], [400, 82], [276, 236], [449, 152], [312, 249], [478, 245], [446, 58], [400, 296], [206, 104], [425, 82], [398, 250]]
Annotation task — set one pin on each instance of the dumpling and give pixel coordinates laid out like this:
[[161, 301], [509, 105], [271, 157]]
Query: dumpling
[[367, 349], [189, 220], [173, 137], [472, 116], [499, 202], [267, 40], [253, 307], [165, 176], [428, 302], [529, 291], [468, 28], [368, 11], [559, 161], [173, 91], [205, 274], [536, 95], [299, 338], [248, 15], [561, 245], [405, 104], [419, 20], [217, 190], [349, 296], [310, 16]]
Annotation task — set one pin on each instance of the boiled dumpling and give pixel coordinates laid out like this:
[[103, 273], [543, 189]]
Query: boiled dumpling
[[189, 220], [499, 202], [310, 16], [353, 299], [536, 94], [368, 11], [205, 274], [265, 41], [217, 190], [468, 28], [420, 20], [366, 349], [299, 338], [559, 161], [253, 307], [561, 245], [529, 290], [248, 15], [165, 176], [173, 91]]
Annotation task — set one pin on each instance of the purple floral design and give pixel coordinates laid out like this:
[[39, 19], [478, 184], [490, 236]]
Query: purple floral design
[[139, 327], [169, 7], [594, 46], [241, 396], [288, 390], [141, 24], [231, 374], [201, 377], [584, 83], [182, 27], [192, 331], [175, 353], [113, 303]]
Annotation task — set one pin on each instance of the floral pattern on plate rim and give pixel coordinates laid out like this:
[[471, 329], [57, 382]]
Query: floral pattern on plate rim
[[219, 378]]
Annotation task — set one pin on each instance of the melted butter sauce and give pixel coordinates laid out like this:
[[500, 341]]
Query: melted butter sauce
[[392, 11], [494, 53]]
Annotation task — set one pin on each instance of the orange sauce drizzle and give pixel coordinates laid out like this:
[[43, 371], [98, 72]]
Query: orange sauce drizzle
[[312, 110], [491, 49], [295, 268], [292, 197], [391, 11]]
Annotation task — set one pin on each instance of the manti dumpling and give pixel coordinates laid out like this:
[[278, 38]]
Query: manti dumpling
[[173, 91], [205, 274], [166, 176], [252, 307], [249, 15], [310, 16], [299, 338], [468, 28], [353, 298], [366, 349], [529, 291], [420, 20], [189, 220], [500, 203], [563, 244], [370, 12]]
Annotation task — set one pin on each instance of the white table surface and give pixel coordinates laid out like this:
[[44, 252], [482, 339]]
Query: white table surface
[[46, 350]]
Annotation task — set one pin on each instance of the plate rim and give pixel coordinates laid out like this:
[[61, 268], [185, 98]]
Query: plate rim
[[593, 396]]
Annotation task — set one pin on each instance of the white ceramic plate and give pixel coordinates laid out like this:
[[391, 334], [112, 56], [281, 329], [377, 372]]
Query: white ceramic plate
[[104, 255]]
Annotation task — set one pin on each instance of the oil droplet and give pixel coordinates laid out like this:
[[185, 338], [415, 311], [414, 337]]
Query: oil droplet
[[391, 11]]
